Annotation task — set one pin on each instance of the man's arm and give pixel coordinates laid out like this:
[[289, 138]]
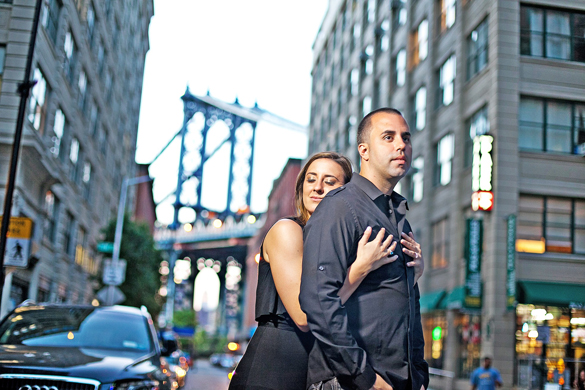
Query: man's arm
[[418, 348], [330, 237]]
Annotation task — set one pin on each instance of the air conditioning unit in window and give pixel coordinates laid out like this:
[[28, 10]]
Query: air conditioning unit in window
[[580, 149], [396, 4]]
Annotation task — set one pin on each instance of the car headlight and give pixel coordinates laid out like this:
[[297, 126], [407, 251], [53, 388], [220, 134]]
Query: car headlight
[[136, 385]]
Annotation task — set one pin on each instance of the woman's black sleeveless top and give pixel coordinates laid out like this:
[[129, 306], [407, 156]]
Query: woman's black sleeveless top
[[269, 307]]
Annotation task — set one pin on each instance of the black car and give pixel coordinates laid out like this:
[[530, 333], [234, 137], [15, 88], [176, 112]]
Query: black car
[[73, 347]]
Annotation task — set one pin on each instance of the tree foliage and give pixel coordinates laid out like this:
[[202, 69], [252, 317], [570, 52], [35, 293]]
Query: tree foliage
[[143, 261]]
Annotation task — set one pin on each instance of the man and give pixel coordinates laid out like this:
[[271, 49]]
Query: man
[[375, 340], [486, 378]]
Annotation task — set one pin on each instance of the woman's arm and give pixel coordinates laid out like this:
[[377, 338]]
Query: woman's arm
[[283, 249], [370, 256]]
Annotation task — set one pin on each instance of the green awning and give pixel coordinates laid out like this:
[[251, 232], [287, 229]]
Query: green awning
[[455, 298], [549, 293], [431, 301]]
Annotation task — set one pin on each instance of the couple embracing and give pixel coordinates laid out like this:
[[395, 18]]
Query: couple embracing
[[337, 301]]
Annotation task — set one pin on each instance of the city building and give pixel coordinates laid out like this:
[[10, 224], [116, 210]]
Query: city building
[[494, 93], [79, 136]]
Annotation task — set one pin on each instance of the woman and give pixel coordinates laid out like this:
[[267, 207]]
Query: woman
[[277, 356]]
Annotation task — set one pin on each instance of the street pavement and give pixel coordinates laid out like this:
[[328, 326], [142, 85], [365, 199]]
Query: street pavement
[[204, 376]]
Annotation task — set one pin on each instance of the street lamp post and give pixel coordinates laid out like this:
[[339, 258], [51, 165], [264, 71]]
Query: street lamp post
[[24, 91], [119, 227]]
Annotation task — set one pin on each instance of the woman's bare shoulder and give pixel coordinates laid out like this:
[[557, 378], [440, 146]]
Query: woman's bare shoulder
[[284, 236]]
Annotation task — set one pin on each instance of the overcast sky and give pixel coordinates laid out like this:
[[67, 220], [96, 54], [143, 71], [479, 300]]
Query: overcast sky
[[257, 50]]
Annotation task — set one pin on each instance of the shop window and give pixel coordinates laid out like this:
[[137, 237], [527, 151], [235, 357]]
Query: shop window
[[446, 90], [469, 333], [440, 233], [550, 224], [444, 151], [477, 46], [435, 334], [551, 338], [38, 101], [553, 34]]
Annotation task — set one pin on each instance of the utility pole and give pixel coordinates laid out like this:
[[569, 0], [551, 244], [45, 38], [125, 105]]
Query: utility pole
[[24, 92]]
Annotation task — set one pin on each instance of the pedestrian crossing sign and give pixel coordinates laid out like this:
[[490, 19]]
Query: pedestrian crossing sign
[[18, 242]]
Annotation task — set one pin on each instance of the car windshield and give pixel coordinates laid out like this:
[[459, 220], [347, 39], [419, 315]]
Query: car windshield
[[76, 327]]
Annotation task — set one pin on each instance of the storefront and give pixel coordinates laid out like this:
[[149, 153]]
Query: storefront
[[550, 334], [448, 324]]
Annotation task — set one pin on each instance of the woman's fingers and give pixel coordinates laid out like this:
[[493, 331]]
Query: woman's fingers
[[380, 235], [366, 236]]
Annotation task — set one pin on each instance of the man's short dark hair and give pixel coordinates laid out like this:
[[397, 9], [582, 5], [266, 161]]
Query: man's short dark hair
[[365, 124]]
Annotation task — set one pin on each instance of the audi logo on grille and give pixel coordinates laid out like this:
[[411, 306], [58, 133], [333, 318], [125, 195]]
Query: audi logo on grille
[[37, 387]]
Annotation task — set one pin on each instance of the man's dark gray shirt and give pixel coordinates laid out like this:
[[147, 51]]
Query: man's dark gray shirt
[[378, 330]]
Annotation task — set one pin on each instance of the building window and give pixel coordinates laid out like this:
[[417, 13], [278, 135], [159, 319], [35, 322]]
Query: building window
[[552, 34], [382, 36], [366, 105], [448, 14], [69, 236], [477, 125], [86, 180], [50, 18], [82, 85], [357, 32], [90, 19], [400, 68], [477, 44], [52, 212], [58, 132], [551, 125], [420, 108], [420, 43], [2, 60], [447, 82], [74, 160], [445, 149], [94, 119], [38, 101], [399, 13], [80, 247], [550, 224], [371, 11], [354, 80], [439, 257], [418, 165], [70, 56], [101, 56]]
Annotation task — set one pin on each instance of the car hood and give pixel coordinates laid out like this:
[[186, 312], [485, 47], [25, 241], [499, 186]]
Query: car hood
[[100, 364]]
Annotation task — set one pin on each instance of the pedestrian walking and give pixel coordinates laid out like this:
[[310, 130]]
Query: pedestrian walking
[[486, 377]]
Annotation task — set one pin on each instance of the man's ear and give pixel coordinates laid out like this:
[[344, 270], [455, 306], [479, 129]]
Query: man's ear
[[364, 151]]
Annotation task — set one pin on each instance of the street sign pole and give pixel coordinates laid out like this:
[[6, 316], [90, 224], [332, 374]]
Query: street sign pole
[[120, 225], [24, 91]]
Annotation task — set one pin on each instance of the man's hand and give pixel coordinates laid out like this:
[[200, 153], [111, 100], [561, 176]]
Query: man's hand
[[381, 384]]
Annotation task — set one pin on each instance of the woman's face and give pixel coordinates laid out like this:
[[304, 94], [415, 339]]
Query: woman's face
[[323, 175]]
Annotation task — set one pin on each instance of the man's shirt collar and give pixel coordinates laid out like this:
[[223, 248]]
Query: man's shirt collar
[[374, 192]]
